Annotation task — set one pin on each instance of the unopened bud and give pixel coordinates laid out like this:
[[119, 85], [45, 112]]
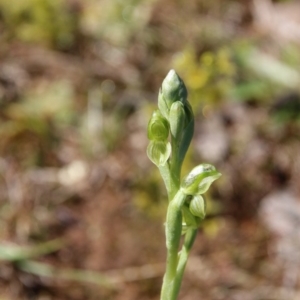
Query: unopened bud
[[173, 89], [198, 206], [158, 127], [159, 152], [199, 179], [177, 119]]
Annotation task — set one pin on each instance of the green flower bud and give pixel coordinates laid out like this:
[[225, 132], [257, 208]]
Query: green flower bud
[[199, 179], [177, 120], [173, 89], [158, 127], [159, 152], [198, 206]]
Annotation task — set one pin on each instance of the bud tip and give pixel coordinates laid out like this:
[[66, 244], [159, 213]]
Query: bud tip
[[172, 75]]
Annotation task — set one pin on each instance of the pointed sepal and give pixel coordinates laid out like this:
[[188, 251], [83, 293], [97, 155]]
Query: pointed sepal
[[199, 179]]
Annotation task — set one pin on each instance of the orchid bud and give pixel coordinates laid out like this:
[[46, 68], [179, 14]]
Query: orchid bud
[[198, 206], [177, 119], [199, 179], [173, 89], [158, 127], [159, 152]]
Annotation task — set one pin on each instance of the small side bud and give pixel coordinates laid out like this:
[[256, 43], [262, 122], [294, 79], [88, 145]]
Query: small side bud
[[199, 179], [198, 206], [159, 152], [158, 127], [177, 119]]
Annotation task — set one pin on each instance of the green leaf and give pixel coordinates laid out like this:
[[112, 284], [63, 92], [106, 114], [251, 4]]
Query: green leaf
[[188, 131], [10, 252]]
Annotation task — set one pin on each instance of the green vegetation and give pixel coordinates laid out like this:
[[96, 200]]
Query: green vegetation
[[186, 207], [50, 22], [80, 202]]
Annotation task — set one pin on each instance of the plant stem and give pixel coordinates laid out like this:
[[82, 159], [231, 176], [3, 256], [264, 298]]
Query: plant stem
[[188, 243], [173, 235], [174, 220], [171, 178], [175, 163], [173, 124]]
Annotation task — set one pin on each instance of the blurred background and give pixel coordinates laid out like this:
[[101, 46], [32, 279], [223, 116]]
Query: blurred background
[[81, 206]]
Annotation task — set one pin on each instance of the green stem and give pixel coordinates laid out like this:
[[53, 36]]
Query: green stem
[[166, 176], [173, 235], [171, 180], [188, 243], [170, 172], [175, 163]]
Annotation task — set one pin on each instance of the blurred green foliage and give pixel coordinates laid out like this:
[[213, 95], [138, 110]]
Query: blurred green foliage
[[209, 78], [48, 22], [47, 101], [90, 106], [237, 73], [115, 21], [34, 124], [147, 196]]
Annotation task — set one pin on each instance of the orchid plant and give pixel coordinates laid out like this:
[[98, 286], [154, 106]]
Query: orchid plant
[[170, 131]]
